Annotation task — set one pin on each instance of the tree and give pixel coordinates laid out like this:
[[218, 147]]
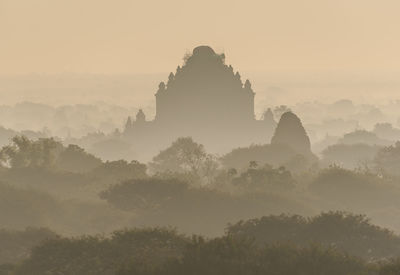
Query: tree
[[236, 256], [120, 170], [386, 131], [387, 160], [273, 154], [16, 245], [349, 156], [46, 153], [185, 155], [346, 232], [363, 136], [144, 194], [264, 178], [20, 208], [94, 255], [26, 153], [75, 159]]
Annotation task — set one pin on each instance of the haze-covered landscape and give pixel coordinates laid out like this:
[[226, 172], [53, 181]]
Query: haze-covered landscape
[[199, 138]]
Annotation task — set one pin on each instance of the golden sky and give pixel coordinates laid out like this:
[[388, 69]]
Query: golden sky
[[132, 36]]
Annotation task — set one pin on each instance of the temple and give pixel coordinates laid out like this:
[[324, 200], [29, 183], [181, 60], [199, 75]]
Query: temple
[[205, 99], [204, 90]]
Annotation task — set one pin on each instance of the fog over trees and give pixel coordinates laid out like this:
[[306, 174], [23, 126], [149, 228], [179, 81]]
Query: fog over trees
[[207, 182]]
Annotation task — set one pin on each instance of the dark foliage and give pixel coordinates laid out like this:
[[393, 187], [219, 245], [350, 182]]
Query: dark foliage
[[75, 159], [272, 154], [265, 178], [353, 234], [24, 208], [173, 202], [357, 190], [16, 245], [119, 170], [275, 245], [144, 193], [350, 156], [387, 160], [92, 255], [234, 256]]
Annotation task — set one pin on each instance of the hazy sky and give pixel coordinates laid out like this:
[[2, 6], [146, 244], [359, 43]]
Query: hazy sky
[[130, 36]]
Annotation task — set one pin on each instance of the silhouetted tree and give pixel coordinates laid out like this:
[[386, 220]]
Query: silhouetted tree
[[349, 156], [185, 155], [75, 159], [352, 234], [273, 154], [16, 245], [23, 153], [363, 136], [387, 160], [144, 194], [264, 178], [120, 170], [150, 248]]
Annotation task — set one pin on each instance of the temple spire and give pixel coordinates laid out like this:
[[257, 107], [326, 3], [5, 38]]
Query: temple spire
[[140, 116]]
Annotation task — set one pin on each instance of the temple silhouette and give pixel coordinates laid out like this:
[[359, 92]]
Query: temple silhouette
[[207, 100]]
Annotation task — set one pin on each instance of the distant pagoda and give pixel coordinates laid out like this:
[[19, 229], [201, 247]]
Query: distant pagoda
[[205, 90], [207, 100]]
